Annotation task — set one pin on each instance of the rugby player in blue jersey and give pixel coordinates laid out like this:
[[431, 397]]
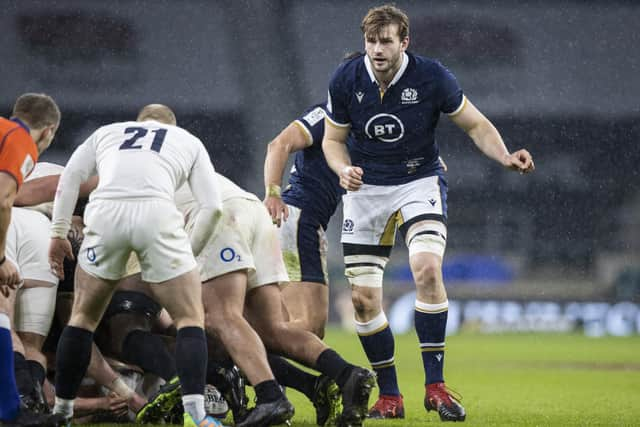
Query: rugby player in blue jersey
[[303, 211], [389, 102]]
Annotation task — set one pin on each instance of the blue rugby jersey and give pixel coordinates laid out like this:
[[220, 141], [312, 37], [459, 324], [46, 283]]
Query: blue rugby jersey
[[313, 186], [392, 135]]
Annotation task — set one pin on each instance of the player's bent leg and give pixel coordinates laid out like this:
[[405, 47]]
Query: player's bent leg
[[264, 311], [182, 298], [431, 309], [365, 276], [36, 363], [379, 345], [265, 315], [308, 305], [73, 355], [223, 298], [90, 300]]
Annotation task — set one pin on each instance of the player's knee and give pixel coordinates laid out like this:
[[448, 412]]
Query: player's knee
[[365, 303], [427, 273], [31, 341], [83, 321]]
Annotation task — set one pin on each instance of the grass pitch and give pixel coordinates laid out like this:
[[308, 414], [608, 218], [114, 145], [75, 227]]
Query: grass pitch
[[514, 380]]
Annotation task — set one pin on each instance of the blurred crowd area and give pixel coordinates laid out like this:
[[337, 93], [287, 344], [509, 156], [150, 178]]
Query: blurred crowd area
[[556, 77]]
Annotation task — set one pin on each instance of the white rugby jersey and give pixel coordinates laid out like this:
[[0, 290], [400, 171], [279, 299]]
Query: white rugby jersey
[[188, 206], [137, 161], [140, 160]]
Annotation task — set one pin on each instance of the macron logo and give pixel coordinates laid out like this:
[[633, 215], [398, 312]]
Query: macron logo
[[439, 357], [359, 95]]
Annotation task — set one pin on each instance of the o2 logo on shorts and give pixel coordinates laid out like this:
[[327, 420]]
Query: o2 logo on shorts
[[228, 255], [347, 226], [91, 254], [384, 127]]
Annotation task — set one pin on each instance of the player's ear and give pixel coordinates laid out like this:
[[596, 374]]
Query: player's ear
[[404, 44]]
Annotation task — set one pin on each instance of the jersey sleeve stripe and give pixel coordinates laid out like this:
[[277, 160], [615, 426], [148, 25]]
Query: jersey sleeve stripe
[[460, 107], [336, 124], [305, 131]]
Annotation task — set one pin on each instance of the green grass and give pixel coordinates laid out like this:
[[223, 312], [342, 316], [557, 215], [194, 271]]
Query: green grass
[[515, 380]]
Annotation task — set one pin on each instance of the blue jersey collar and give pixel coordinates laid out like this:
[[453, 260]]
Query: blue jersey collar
[[403, 67], [21, 123]]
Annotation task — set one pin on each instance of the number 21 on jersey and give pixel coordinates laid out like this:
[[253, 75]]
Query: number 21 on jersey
[[133, 143]]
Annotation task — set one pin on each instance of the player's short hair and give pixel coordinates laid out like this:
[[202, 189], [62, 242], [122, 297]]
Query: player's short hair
[[379, 17], [37, 110], [158, 112]]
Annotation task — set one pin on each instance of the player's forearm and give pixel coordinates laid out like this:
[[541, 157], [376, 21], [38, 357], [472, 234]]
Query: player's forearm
[[36, 191], [64, 203], [274, 165], [488, 140], [336, 154]]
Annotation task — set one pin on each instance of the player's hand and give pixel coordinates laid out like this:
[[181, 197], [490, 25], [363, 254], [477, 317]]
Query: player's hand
[[59, 249], [278, 209], [520, 161], [351, 178], [115, 404], [9, 277]]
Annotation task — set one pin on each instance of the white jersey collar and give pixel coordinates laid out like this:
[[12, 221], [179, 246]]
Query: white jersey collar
[[403, 67]]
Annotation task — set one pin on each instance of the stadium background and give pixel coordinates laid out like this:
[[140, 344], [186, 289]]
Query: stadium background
[[558, 249]]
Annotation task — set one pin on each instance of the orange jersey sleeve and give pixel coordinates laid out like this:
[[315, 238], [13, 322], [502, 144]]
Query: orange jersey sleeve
[[18, 152]]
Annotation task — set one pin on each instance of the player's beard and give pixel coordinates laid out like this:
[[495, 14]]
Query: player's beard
[[389, 65]]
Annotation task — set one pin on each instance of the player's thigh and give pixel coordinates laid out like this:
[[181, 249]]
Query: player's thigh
[[35, 307], [91, 298], [304, 247], [31, 341], [264, 308], [307, 301], [182, 297], [223, 297]]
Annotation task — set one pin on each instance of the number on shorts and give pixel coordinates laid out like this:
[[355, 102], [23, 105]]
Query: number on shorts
[[139, 133]]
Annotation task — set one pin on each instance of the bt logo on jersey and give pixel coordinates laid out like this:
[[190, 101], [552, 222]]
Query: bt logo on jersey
[[384, 127]]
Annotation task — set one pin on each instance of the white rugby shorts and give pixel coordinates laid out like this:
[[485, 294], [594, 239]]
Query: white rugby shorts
[[245, 239], [374, 212], [152, 228]]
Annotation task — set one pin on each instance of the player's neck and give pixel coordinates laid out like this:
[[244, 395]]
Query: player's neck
[[385, 78]]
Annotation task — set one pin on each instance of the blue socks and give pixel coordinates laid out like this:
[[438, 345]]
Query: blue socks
[[9, 397], [431, 325], [379, 345]]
